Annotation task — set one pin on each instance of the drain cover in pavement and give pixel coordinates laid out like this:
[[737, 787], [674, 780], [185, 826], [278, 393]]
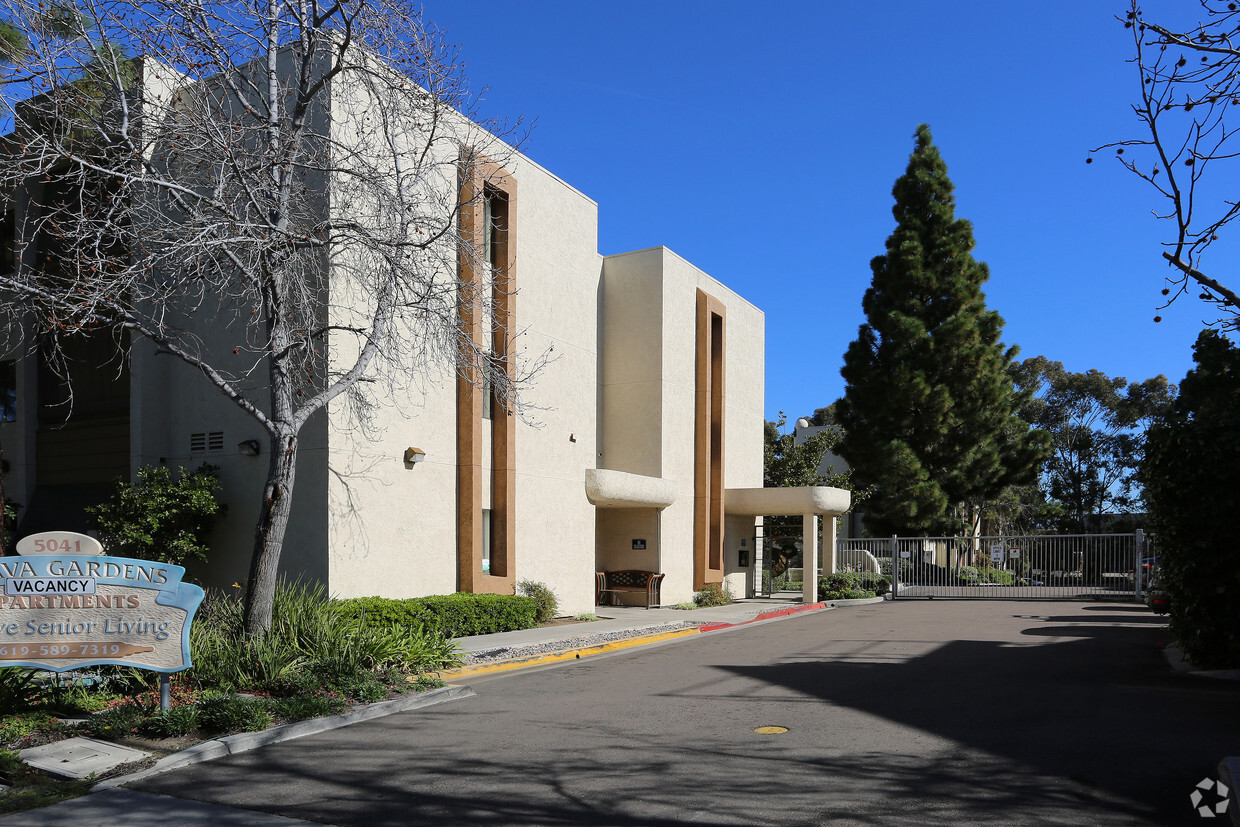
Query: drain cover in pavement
[[79, 757]]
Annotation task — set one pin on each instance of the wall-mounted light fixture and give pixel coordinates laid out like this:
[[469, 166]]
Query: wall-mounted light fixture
[[414, 455], [249, 447]]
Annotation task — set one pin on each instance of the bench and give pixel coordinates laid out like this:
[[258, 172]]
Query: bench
[[612, 584]]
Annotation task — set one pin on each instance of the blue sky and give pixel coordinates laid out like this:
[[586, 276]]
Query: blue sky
[[761, 142]]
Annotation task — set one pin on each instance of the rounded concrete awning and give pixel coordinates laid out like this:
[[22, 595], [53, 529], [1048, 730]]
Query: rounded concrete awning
[[619, 489], [773, 502]]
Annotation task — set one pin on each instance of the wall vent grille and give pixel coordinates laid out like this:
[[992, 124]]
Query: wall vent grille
[[205, 443]]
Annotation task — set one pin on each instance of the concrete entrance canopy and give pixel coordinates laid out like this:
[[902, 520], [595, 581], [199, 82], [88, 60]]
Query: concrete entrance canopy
[[809, 501], [619, 489]]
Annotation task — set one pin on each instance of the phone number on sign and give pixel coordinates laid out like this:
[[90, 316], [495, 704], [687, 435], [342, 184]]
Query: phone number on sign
[[62, 650]]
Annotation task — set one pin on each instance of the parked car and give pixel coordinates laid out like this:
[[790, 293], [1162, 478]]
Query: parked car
[[1149, 571], [1157, 599]]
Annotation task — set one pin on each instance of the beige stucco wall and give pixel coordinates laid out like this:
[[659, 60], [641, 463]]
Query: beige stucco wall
[[616, 392], [636, 286], [393, 526]]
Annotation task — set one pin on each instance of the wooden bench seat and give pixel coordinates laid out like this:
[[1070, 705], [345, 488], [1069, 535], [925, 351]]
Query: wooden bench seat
[[611, 584]]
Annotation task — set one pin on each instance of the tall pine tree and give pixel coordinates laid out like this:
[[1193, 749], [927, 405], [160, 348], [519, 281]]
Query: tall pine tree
[[929, 413]]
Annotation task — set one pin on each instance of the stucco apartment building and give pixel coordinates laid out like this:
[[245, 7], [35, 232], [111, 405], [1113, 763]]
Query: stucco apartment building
[[643, 448]]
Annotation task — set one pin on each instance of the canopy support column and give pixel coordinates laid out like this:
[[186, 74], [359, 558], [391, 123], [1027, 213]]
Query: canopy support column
[[809, 558]]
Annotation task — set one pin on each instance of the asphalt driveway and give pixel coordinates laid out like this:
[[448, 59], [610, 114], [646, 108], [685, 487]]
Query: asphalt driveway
[[943, 712]]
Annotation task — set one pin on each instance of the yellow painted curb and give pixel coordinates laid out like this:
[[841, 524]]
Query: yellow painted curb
[[556, 657]]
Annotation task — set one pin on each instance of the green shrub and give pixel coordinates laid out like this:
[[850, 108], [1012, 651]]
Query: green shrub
[[170, 723], [844, 594], [117, 722], [974, 575], [230, 713], [306, 706], [312, 639], [427, 682], [548, 605], [76, 698], [1191, 475], [450, 615], [18, 689], [365, 690], [159, 518], [714, 594], [858, 584]]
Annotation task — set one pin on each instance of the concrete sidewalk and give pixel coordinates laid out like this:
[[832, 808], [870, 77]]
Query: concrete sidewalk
[[631, 619], [636, 626]]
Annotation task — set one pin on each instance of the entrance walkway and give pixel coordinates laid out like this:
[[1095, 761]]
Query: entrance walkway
[[630, 620]]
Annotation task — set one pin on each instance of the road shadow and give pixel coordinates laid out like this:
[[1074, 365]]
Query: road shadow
[[1099, 706]]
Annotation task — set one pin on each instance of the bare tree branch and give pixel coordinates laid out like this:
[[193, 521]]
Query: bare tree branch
[[285, 169], [1190, 79]]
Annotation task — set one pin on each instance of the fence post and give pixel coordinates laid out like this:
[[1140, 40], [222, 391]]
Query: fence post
[[895, 568], [1139, 542]]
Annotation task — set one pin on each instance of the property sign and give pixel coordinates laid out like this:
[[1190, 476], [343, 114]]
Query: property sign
[[996, 554], [65, 606]]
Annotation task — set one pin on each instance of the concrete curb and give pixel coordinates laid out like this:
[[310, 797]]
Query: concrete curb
[[562, 655], [246, 741], [1177, 661], [772, 615], [642, 640]]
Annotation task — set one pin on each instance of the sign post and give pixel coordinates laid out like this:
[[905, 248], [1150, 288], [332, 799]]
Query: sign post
[[64, 606]]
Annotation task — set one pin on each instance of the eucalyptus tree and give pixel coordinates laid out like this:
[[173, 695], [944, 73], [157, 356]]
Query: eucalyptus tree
[[1097, 425], [287, 171]]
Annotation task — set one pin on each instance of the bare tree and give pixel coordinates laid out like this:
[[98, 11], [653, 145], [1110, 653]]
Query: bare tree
[[288, 171], [1190, 77]]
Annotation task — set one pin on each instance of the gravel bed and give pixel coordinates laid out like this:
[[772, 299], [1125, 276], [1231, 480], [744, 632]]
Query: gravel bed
[[579, 642]]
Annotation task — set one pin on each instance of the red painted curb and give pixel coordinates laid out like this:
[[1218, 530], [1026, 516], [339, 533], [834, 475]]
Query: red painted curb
[[771, 615]]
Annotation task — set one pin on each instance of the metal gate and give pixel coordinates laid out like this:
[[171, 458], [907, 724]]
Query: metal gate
[[1062, 566]]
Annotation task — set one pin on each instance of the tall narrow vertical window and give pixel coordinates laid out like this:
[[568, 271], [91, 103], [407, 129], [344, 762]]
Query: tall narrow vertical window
[[709, 441], [494, 226], [486, 541], [488, 274]]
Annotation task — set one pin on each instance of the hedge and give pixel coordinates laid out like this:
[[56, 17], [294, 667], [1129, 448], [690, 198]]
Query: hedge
[[453, 615], [856, 583]]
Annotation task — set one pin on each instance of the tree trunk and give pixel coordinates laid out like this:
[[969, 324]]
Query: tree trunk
[[269, 534]]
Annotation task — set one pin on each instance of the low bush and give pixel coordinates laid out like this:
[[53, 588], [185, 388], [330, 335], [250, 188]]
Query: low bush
[[313, 641], [450, 615], [306, 706], [424, 683], [844, 594], [117, 722], [18, 689], [170, 723], [713, 594], [858, 584], [158, 517], [232, 713], [547, 602], [974, 575]]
